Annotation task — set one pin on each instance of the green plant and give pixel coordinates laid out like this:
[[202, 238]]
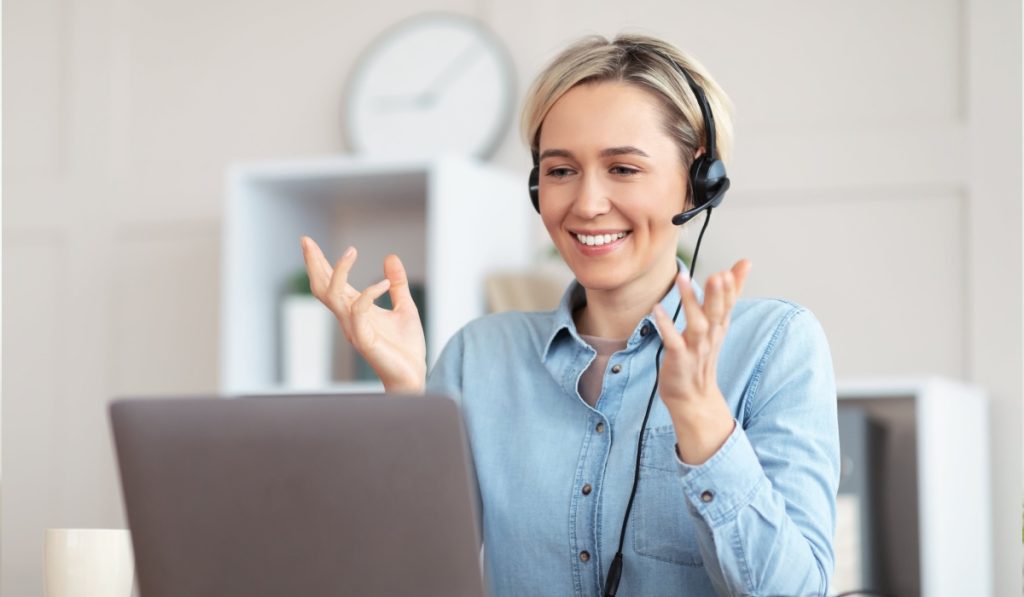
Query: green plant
[[299, 283]]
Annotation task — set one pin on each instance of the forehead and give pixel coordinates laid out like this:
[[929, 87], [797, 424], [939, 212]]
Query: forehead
[[604, 114]]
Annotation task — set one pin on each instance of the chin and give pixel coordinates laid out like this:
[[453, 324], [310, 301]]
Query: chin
[[593, 277]]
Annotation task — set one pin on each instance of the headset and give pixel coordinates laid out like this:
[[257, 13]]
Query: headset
[[708, 184]]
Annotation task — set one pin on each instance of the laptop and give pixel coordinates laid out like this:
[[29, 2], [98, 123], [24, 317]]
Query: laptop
[[363, 495]]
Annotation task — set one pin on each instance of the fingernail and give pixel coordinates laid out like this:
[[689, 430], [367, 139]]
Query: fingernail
[[349, 251], [684, 276]]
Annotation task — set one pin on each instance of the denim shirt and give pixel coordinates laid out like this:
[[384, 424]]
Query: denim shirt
[[554, 474]]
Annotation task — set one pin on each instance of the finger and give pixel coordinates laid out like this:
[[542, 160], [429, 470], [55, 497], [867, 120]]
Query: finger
[[730, 289], [696, 323], [366, 298], [714, 299], [339, 286], [740, 271], [394, 271], [670, 337], [319, 277]]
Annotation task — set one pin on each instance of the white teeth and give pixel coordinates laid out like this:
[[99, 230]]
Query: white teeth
[[599, 239]]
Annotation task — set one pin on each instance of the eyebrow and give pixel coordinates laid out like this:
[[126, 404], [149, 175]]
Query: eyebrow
[[609, 152]]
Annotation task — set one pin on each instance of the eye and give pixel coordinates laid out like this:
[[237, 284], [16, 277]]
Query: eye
[[559, 172], [624, 170]]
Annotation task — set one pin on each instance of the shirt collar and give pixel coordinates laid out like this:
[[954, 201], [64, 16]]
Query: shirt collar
[[575, 296]]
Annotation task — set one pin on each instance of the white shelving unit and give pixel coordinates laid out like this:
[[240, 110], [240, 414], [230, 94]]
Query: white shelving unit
[[452, 220], [934, 500]]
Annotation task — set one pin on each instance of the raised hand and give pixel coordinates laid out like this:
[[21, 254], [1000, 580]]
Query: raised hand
[[391, 340], [688, 382]]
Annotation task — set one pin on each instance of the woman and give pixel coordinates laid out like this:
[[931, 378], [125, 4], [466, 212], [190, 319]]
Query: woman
[[738, 459]]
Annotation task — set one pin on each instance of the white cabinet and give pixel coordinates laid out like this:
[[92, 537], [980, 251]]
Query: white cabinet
[[929, 498], [452, 220]]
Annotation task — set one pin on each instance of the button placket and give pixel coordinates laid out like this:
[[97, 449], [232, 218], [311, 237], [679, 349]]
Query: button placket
[[584, 533]]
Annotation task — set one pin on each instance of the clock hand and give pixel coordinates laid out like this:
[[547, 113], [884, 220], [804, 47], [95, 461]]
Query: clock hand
[[456, 67], [405, 101], [428, 97]]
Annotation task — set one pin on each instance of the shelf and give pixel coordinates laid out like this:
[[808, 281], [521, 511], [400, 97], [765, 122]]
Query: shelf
[[920, 475], [452, 220]]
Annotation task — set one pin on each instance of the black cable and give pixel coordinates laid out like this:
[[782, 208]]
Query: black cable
[[611, 585], [615, 572], [696, 249]]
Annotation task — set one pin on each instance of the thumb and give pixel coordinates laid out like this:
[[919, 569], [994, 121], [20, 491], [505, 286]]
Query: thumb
[[739, 272], [394, 271]]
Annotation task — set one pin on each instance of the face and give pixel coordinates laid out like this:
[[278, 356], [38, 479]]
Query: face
[[610, 181]]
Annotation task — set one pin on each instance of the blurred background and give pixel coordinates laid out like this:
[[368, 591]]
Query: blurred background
[[876, 180]]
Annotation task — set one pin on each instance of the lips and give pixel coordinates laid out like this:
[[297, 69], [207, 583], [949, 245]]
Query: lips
[[598, 243], [599, 238]]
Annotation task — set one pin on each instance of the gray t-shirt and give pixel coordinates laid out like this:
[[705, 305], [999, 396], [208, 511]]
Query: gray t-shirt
[[593, 377]]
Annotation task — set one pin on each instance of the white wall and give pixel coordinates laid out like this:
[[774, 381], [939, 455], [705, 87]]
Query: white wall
[[877, 179]]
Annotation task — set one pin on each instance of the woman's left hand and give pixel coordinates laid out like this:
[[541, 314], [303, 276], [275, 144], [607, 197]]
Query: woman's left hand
[[688, 382]]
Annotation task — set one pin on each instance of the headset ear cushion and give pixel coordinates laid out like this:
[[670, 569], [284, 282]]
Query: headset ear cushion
[[535, 187], [699, 180], [708, 180]]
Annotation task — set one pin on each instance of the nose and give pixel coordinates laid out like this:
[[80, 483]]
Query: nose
[[592, 198]]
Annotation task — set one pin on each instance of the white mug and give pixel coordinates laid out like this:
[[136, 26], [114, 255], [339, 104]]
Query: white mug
[[88, 563]]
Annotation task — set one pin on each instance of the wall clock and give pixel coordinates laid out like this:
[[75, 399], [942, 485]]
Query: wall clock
[[435, 83]]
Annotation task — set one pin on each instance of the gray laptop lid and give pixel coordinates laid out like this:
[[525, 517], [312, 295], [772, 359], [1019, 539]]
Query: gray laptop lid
[[298, 495]]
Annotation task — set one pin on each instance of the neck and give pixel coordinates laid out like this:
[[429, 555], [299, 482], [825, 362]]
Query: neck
[[614, 314]]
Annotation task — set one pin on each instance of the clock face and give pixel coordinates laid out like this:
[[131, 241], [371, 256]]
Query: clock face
[[433, 84]]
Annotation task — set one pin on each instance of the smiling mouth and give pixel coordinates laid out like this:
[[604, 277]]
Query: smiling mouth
[[597, 240]]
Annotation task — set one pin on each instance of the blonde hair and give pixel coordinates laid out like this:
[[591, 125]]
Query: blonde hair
[[638, 60]]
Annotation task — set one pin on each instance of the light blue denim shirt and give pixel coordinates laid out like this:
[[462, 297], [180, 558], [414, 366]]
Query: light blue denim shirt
[[554, 474]]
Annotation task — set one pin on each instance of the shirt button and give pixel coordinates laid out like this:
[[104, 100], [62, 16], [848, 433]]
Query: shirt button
[[599, 428], [587, 489], [584, 556], [706, 496], [616, 368], [645, 330]]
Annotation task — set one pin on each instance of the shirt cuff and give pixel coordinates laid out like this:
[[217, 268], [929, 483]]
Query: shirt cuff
[[724, 483]]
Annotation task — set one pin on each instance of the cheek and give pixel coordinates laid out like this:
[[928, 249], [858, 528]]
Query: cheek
[[552, 225], [552, 212], [547, 218]]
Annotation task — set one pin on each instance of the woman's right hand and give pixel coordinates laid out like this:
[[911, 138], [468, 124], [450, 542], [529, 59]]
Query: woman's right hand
[[391, 341]]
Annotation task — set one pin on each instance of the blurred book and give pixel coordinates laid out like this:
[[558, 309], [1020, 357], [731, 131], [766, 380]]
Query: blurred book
[[523, 291], [855, 515]]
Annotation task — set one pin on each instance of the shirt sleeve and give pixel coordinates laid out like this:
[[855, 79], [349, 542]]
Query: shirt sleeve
[[765, 502], [445, 379]]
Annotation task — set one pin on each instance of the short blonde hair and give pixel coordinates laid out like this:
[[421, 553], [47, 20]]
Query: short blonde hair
[[638, 60]]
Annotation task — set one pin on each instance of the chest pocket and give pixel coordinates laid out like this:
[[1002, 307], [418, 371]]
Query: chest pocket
[[663, 529]]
